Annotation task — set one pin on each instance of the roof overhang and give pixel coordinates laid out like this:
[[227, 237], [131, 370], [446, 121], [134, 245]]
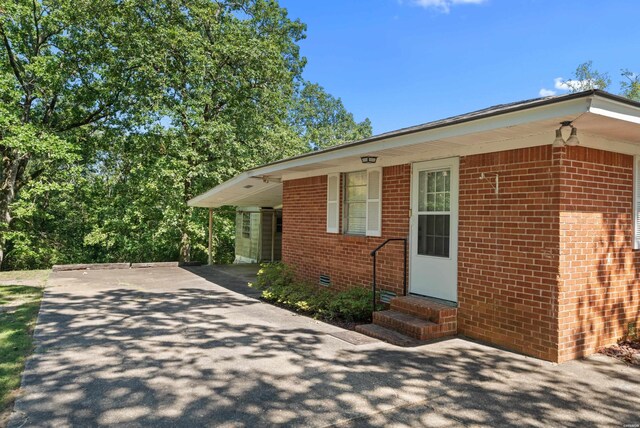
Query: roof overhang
[[603, 120]]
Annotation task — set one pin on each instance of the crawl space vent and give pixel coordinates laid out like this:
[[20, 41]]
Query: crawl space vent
[[325, 280], [386, 296]]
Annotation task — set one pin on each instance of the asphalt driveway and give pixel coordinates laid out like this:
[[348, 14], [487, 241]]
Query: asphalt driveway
[[171, 347]]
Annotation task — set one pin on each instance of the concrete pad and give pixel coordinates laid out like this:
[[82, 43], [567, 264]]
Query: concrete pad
[[90, 266], [153, 265], [192, 346]]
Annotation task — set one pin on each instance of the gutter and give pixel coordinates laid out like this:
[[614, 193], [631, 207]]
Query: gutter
[[462, 119], [490, 112]]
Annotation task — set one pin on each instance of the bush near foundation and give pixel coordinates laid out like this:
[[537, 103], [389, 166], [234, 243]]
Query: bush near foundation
[[278, 285]]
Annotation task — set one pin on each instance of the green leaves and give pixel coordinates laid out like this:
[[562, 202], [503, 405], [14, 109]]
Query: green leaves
[[322, 120], [586, 77], [115, 113], [277, 283], [631, 85]]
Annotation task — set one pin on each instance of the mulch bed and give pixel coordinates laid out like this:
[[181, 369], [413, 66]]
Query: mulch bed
[[626, 350], [347, 325]]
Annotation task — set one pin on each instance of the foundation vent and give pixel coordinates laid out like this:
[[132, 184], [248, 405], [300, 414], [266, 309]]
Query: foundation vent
[[325, 280], [386, 296]]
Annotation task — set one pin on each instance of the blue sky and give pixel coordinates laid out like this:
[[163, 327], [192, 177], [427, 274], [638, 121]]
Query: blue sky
[[406, 62]]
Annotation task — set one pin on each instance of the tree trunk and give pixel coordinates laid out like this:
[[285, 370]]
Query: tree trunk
[[1, 249], [12, 171], [5, 220], [185, 248]]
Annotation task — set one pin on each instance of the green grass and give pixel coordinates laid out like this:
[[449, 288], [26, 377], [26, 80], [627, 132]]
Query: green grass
[[19, 307], [32, 277]]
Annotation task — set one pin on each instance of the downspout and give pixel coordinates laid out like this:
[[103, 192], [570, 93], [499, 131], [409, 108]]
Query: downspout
[[274, 219], [210, 258], [260, 236]]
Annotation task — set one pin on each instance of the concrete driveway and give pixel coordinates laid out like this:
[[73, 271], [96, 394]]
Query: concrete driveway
[[191, 347]]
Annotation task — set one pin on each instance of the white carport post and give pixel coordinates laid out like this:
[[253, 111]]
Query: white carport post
[[210, 259]]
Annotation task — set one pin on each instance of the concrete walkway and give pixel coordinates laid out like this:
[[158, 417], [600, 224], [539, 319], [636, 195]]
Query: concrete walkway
[[171, 347]]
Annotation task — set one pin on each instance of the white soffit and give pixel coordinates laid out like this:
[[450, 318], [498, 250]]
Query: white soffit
[[241, 191]]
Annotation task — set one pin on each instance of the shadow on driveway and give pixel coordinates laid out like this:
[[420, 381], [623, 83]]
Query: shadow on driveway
[[171, 347]]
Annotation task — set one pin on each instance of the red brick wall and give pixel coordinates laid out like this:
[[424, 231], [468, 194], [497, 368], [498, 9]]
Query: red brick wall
[[545, 266], [508, 247], [346, 259], [599, 289]]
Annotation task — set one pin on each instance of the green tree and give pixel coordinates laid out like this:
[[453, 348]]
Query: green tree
[[67, 69], [586, 77], [322, 121], [630, 85], [116, 112], [230, 88]]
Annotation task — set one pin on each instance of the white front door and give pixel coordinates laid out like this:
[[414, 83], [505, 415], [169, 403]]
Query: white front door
[[434, 229]]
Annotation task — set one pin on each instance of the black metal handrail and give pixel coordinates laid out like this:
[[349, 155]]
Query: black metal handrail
[[404, 261]]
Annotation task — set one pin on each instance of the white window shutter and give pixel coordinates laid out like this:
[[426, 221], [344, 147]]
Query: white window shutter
[[333, 203], [636, 203], [374, 202]]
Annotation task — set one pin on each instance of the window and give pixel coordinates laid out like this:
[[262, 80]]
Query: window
[[246, 225], [361, 202], [434, 212], [355, 202]]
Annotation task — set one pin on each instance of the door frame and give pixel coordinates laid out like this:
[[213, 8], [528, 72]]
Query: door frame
[[454, 164]]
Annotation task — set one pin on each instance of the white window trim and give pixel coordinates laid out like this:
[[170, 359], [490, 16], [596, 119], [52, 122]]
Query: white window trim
[[636, 202], [368, 232], [345, 211]]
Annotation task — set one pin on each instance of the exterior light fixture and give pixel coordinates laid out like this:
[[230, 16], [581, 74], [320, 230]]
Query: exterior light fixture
[[369, 159], [265, 179], [573, 138], [559, 141], [571, 141]]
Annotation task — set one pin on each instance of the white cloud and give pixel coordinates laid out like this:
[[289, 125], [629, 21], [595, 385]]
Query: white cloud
[[574, 85], [561, 84], [546, 92], [444, 5]]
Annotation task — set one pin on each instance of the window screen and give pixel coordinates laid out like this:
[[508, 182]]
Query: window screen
[[355, 202], [246, 225], [434, 216]]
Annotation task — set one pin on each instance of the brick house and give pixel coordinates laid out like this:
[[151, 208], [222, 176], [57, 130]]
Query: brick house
[[519, 234]]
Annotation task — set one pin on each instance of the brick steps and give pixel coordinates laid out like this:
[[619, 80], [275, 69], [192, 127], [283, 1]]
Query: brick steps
[[404, 323], [411, 321], [387, 335], [424, 308]]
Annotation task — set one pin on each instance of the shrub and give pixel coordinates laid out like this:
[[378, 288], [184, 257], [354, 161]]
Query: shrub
[[353, 304], [273, 275], [276, 280]]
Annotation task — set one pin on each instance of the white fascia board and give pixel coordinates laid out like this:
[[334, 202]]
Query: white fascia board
[[573, 107], [615, 110], [569, 108]]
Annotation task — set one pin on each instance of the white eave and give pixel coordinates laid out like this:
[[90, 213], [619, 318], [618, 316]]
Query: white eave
[[244, 190], [603, 120]]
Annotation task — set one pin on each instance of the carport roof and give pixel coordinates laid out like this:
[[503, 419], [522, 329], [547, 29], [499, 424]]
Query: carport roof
[[599, 115]]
